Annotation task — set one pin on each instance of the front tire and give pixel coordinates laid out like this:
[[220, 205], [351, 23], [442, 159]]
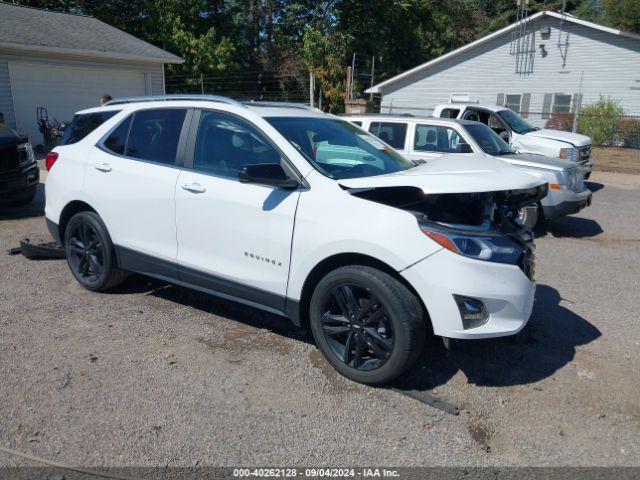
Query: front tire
[[90, 253], [367, 324]]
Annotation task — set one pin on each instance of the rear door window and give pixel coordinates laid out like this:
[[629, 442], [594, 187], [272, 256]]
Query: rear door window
[[392, 133], [83, 124], [154, 135]]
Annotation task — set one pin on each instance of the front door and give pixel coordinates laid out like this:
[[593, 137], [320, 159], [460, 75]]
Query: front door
[[233, 238], [434, 141]]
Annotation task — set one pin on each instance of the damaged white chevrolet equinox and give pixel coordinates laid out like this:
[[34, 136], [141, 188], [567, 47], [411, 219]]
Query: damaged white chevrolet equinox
[[287, 209]]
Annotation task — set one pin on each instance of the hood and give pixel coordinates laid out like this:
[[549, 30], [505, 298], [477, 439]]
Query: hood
[[538, 161], [574, 139], [453, 174]]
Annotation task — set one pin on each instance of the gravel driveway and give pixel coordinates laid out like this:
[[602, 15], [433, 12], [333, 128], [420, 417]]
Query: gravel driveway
[[154, 374]]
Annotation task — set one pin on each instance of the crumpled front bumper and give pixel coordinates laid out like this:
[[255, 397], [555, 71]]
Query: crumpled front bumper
[[506, 292]]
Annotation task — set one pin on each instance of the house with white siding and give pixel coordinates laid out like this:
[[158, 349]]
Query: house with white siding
[[66, 62], [547, 63]]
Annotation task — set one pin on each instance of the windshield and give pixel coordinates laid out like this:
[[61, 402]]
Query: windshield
[[339, 149], [488, 140], [515, 122]]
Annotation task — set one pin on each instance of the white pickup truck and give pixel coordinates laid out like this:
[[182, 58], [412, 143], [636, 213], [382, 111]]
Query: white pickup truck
[[522, 136]]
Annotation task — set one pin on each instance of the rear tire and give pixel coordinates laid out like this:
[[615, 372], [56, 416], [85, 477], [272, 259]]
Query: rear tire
[[90, 253], [367, 324]]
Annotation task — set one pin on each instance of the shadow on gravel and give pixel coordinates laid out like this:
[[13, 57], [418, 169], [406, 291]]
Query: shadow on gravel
[[572, 227], [214, 305], [546, 345], [34, 209]]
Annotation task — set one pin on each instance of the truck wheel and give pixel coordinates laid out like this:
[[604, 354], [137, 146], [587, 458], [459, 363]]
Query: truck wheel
[[367, 324], [90, 253]]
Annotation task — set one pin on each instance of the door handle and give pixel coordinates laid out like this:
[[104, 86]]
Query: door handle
[[103, 167], [194, 188]]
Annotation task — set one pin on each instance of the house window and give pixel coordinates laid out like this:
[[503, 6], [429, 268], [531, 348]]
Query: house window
[[561, 103], [459, 97], [513, 102]]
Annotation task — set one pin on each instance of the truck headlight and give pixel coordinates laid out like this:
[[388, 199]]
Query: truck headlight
[[572, 154], [488, 246]]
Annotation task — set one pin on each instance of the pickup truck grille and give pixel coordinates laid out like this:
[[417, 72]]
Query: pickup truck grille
[[585, 153], [9, 158]]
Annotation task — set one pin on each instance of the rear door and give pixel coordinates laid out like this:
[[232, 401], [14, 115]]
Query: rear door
[[131, 175], [392, 133]]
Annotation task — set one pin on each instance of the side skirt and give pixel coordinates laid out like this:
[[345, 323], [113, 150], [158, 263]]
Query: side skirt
[[207, 283]]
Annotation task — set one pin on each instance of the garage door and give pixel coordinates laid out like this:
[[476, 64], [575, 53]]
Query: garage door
[[64, 90]]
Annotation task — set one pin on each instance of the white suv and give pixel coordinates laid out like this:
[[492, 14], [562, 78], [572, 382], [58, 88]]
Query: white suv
[[423, 139], [299, 213]]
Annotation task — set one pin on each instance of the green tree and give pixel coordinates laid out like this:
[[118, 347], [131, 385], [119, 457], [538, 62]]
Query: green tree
[[622, 14], [600, 120]]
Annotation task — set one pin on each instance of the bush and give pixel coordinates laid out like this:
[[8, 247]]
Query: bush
[[600, 121], [629, 133], [560, 121]]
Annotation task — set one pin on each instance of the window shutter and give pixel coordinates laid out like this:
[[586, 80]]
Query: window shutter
[[500, 100], [576, 103], [546, 105], [525, 105]]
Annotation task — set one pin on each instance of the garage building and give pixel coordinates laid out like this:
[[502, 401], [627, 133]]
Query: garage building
[[66, 62]]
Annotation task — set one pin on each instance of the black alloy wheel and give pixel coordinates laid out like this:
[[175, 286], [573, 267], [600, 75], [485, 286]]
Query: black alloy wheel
[[368, 325], [357, 328], [86, 252], [90, 253]]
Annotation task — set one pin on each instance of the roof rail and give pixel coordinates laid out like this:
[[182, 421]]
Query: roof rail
[[264, 103], [176, 97]]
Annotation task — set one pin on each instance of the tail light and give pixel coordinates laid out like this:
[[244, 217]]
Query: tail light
[[50, 159]]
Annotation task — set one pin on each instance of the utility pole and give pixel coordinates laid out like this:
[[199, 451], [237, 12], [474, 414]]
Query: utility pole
[[312, 81], [578, 104], [353, 69], [201, 84], [373, 69], [347, 97]]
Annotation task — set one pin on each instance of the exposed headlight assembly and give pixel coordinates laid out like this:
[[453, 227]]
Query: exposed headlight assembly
[[572, 154], [488, 246]]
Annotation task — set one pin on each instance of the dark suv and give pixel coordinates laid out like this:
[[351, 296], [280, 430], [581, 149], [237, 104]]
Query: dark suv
[[19, 174]]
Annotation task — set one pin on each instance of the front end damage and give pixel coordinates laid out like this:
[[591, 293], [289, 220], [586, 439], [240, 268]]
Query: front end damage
[[491, 226], [481, 283]]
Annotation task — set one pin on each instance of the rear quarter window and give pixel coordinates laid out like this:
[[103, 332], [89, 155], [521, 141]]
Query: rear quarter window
[[83, 124], [392, 133]]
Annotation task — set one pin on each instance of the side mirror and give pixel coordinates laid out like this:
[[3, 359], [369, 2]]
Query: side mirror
[[271, 174], [464, 148]]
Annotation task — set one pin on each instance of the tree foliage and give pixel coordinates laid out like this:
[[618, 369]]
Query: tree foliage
[[291, 38]]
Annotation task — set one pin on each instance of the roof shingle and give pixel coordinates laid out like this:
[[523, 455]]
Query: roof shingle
[[31, 28]]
